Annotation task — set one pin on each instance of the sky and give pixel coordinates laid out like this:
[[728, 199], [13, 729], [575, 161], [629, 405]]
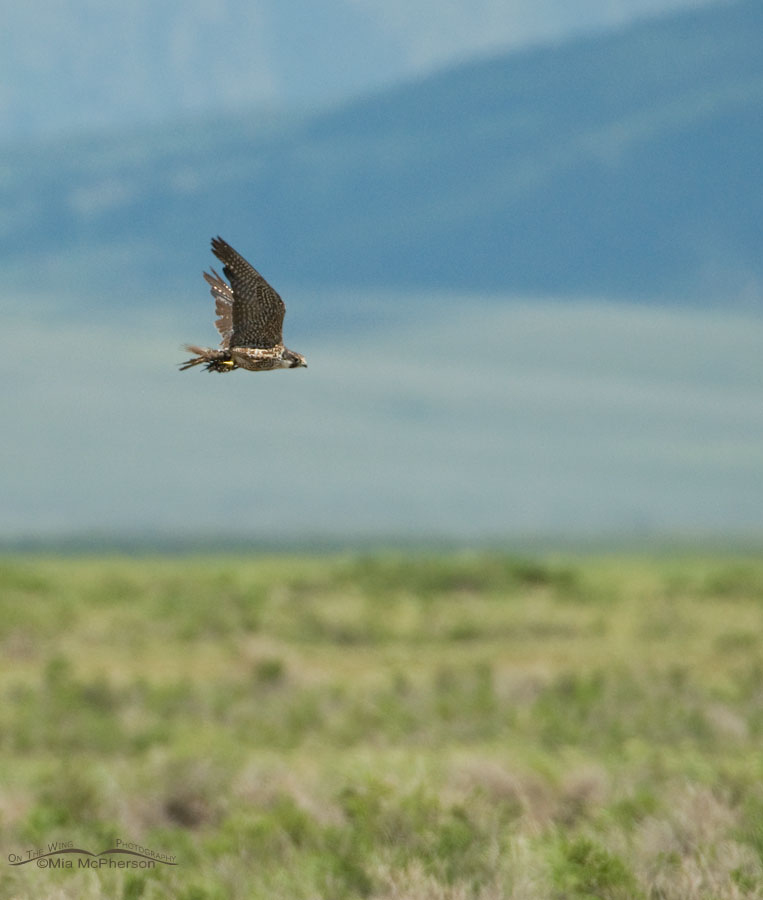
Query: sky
[[68, 66], [586, 419], [577, 418]]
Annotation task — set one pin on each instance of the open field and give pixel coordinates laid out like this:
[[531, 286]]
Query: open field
[[436, 728]]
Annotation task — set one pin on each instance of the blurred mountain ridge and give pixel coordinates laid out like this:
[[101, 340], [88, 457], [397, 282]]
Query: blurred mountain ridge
[[624, 165], [76, 64]]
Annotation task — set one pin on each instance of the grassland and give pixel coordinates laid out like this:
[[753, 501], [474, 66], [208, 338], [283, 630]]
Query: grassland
[[437, 728]]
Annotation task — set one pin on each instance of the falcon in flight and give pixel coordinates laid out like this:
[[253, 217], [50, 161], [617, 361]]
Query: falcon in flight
[[250, 320]]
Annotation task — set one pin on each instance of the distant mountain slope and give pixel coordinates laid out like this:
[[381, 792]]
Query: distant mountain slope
[[625, 165], [78, 64]]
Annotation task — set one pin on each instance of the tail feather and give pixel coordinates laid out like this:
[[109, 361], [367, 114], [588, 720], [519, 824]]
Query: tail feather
[[214, 360]]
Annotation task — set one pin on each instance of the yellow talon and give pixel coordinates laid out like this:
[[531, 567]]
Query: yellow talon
[[228, 362]]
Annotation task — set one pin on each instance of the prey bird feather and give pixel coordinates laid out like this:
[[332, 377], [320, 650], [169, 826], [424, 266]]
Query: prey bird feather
[[250, 320]]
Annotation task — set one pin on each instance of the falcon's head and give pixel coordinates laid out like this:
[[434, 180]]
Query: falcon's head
[[293, 360]]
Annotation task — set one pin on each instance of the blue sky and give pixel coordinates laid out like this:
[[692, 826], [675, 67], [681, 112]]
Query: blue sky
[[562, 416], [582, 419]]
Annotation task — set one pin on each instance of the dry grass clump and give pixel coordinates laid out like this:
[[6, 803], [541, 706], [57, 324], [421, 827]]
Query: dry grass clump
[[690, 851]]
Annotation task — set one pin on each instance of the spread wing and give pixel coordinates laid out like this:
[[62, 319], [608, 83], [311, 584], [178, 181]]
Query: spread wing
[[251, 312], [223, 306]]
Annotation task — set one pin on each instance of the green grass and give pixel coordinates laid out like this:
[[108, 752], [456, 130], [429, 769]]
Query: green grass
[[443, 728]]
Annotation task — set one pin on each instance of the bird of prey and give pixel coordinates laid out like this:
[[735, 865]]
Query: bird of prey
[[250, 320]]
